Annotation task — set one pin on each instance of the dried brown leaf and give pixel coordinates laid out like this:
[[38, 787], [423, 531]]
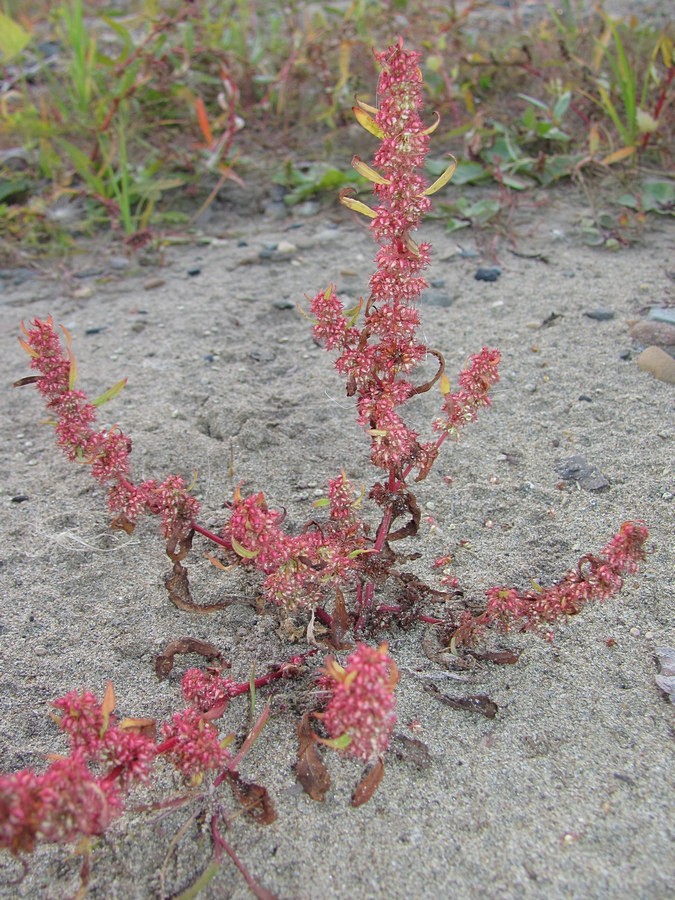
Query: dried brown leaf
[[254, 799], [340, 624], [368, 784], [498, 657], [309, 768], [164, 662], [476, 703], [411, 750]]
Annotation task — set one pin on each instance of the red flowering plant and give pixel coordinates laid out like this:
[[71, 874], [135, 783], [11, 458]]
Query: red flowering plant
[[331, 568]]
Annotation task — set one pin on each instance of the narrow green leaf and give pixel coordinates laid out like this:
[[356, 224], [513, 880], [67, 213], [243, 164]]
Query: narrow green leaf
[[110, 394]]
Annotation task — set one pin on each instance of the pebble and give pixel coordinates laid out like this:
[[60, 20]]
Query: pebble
[[488, 273], [649, 332], [658, 363], [588, 476], [119, 262], [307, 208], [662, 314], [153, 283], [283, 304], [600, 314], [194, 270]]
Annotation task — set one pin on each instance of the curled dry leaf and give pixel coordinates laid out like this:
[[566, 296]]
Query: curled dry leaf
[[254, 799], [476, 703], [498, 657], [340, 624], [310, 769], [368, 784], [164, 662]]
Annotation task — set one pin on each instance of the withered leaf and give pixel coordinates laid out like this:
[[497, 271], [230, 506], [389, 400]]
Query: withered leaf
[[254, 799], [411, 528], [28, 379], [368, 784], [146, 727], [178, 588], [411, 750], [164, 662], [498, 657], [309, 768], [340, 624], [476, 703], [179, 545], [123, 524]]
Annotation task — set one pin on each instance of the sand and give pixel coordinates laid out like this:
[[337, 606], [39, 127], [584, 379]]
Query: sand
[[567, 792]]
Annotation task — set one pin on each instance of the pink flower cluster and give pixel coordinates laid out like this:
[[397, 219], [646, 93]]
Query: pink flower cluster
[[298, 568], [362, 705], [377, 359], [82, 793], [107, 452], [192, 744], [594, 578], [475, 382], [69, 799]]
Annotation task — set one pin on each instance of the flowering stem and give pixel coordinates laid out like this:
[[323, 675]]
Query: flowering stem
[[210, 536]]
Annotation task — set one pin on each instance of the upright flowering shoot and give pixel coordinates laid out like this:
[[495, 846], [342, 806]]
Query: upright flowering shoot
[[378, 358]]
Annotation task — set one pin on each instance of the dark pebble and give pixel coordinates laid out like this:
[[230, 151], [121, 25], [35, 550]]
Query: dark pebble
[[195, 270], [208, 357], [283, 304], [20, 498], [242, 243], [600, 314], [585, 398], [577, 468], [488, 273], [97, 330], [437, 283]]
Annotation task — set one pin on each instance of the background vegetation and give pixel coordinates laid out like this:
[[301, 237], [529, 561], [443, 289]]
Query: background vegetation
[[135, 115]]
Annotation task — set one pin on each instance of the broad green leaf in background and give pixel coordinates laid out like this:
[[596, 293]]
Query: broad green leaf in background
[[13, 38]]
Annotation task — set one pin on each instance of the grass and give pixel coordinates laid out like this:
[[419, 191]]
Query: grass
[[125, 108]]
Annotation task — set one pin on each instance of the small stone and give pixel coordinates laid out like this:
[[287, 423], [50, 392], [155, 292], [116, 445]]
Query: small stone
[[658, 363], [662, 314], [283, 304], [194, 271], [488, 273], [119, 263], [658, 333], [286, 247], [635, 631], [600, 314], [307, 208], [584, 398], [83, 293], [577, 468], [152, 283]]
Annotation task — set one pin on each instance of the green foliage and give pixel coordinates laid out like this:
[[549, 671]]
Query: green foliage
[[150, 97]]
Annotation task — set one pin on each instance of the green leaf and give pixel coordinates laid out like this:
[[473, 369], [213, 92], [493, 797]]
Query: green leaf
[[110, 394], [13, 38]]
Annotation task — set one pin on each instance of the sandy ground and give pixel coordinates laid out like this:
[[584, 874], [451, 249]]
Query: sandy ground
[[568, 791]]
